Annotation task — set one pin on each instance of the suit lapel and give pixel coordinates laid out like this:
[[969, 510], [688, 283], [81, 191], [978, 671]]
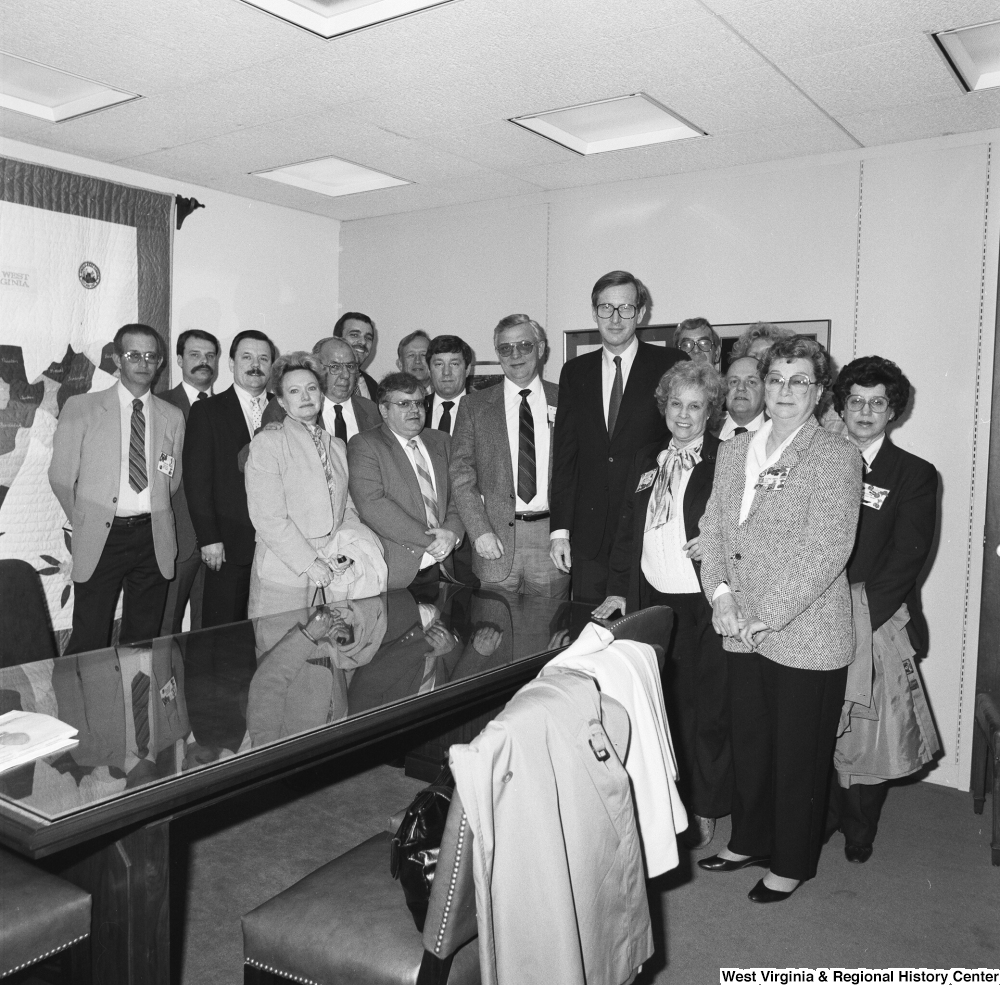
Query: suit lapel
[[157, 430], [234, 410], [592, 383], [440, 465], [405, 469], [789, 459], [499, 437]]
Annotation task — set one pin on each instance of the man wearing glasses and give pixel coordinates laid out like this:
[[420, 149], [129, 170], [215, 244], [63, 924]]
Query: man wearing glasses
[[606, 413], [744, 398], [116, 461], [400, 487], [696, 338], [344, 413], [500, 467]]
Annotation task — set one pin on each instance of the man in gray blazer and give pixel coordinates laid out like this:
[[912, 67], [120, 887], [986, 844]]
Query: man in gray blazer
[[501, 467], [116, 460], [400, 487], [198, 359]]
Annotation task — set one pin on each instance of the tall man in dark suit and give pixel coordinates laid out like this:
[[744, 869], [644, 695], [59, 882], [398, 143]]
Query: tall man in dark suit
[[449, 360], [217, 498], [359, 331], [400, 487], [500, 467], [115, 463], [198, 359], [606, 413]]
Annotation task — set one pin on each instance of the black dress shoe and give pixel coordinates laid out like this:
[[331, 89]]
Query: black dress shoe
[[764, 894], [715, 863], [857, 853]]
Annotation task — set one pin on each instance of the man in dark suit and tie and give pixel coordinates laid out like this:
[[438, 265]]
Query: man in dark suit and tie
[[744, 398], [449, 360], [400, 487], [216, 494], [198, 359], [606, 413], [358, 330]]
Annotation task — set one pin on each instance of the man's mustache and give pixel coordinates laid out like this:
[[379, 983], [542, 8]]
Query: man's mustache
[[202, 366], [255, 372]]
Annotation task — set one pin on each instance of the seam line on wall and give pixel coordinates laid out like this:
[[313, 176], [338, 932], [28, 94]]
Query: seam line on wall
[[975, 448], [548, 236], [857, 259]]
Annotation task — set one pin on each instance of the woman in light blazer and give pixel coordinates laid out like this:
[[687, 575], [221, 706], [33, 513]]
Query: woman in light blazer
[[775, 537], [300, 506]]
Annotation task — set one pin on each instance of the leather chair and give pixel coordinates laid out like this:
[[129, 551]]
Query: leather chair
[[986, 759], [25, 628], [348, 922], [652, 626], [41, 916]]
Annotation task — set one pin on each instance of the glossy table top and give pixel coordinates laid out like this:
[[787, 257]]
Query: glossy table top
[[246, 701]]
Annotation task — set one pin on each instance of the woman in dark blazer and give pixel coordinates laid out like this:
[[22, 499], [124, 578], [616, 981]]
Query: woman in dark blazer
[[655, 560], [895, 533]]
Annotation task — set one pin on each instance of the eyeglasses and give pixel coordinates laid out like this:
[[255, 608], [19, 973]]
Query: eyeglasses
[[133, 356], [878, 405], [798, 383], [406, 404], [336, 369], [689, 345], [606, 310], [507, 348], [750, 383]]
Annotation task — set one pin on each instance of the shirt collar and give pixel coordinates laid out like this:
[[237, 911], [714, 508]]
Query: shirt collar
[[627, 356], [192, 392], [873, 449], [125, 398], [247, 398], [513, 390]]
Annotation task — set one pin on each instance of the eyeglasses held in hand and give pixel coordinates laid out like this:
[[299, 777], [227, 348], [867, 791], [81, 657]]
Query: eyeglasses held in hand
[[878, 405], [750, 383], [689, 345], [407, 404], [625, 311], [133, 356], [337, 369], [507, 348], [798, 383]]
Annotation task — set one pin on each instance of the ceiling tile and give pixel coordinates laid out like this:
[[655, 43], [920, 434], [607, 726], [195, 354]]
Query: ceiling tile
[[934, 118]]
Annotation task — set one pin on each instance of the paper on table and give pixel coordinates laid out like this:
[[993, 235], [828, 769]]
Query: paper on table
[[26, 736]]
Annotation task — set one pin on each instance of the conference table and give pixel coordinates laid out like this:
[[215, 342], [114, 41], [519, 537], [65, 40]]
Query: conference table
[[179, 723]]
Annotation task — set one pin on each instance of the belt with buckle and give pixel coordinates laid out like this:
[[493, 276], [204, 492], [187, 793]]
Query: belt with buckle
[[532, 517], [131, 521]]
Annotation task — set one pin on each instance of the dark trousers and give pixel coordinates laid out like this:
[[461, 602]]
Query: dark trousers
[[227, 592], [590, 576], [463, 564], [856, 810], [784, 730], [696, 690], [188, 583], [128, 563], [427, 585]]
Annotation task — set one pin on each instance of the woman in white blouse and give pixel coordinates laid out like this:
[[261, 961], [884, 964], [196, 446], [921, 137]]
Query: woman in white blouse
[[655, 560]]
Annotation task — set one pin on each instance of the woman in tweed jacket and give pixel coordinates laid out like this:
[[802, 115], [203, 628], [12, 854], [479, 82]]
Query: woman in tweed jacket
[[776, 536]]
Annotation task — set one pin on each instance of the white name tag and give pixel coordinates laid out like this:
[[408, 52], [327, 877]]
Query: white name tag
[[646, 480], [168, 692], [550, 414], [874, 496], [165, 464]]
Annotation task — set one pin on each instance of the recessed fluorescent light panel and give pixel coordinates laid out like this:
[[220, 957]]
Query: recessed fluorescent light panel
[[973, 53], [332, 176], [28, 87], [610, 124], [332, 18]]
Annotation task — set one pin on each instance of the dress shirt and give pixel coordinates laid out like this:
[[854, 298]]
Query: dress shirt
[[540, 419], [437, 409], [871, 451], [246, 405], [427, 560], [730, 425], [608, 371], [130, 502], [666, 567], [192, 392], [330, 416]]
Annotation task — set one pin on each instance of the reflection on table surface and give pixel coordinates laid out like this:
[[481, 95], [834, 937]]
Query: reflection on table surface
[[147, 713]]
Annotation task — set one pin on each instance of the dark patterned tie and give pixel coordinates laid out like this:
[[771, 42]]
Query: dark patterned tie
[[737, 431], [526, 484], [616, 397], [339, 425], [137, 449], [445, 423], [140, 712]]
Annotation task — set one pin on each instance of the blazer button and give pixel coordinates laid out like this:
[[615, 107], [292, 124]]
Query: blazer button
[[737, 557], [107, 524], [114, 499], [610, 459], [511, 524]]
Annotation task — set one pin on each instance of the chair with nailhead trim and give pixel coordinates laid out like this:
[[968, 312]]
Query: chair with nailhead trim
[[348, 922], [42, 916]]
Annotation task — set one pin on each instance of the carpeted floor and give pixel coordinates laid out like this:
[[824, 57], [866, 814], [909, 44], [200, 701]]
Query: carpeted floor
[[927, 898]]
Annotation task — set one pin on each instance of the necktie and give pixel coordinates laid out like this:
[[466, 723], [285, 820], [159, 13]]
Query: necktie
[[140, 713], [339, 425], [137, 449], [255, 414], [737, 431], [426, 485], [445, 423], [316, 433], [673, 462], [616, 397], [526, 484], [202, 395]]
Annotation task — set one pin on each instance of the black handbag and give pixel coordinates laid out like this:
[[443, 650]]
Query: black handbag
[[414, 849]]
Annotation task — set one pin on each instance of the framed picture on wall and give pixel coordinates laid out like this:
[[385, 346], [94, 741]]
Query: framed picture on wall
[[577, 342], [483, 375]]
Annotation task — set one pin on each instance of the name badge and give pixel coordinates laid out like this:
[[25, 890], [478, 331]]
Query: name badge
[[168, 692], [165, 464], [550, 414], [646, 480], [874, 496], [772, 479]]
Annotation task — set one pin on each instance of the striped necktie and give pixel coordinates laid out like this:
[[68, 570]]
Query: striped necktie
[[137, 449], [426, 485], [526, 480], [140, 713]]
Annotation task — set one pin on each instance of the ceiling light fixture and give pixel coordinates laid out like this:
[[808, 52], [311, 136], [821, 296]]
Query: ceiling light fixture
[[334, 18], [610, 124], [50, 94], [973, 54], [331, 176]]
